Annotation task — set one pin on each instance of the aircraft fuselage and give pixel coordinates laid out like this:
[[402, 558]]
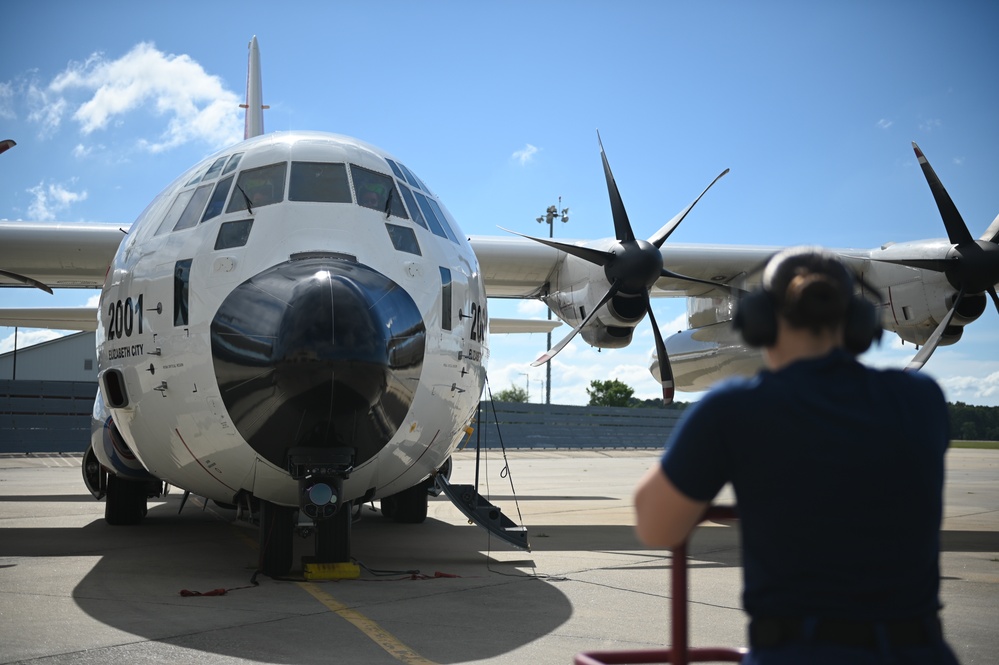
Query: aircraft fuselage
[[295, 290]]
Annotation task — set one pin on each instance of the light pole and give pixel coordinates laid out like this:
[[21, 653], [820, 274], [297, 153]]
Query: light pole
[[551, 214], [527, 381]]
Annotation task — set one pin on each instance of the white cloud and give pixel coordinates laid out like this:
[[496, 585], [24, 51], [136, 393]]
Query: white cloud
[[7, 101], [196, 105], [50, 200], [531, 307], [884, 123], [26, 338], [930, 125], [525, 154], [45, 110], [973, 389]]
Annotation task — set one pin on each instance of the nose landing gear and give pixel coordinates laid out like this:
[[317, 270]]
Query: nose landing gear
[[320, 473]]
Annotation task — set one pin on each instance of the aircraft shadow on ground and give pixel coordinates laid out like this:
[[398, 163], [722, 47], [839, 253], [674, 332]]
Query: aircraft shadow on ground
[[487, 609]]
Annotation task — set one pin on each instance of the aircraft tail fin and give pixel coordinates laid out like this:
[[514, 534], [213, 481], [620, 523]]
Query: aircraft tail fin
[[254, 123]]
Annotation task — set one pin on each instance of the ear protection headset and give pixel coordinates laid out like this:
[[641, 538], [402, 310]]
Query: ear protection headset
[[756, 313]]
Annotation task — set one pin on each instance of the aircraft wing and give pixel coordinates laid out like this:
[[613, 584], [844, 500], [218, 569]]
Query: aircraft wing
[[522, 325], [57, 255], [514, 267], [517, 267], [53, 318]]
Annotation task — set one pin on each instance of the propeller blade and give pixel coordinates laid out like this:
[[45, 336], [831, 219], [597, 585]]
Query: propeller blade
[[662, 234], [992, 233], [622, 227], [957, 230], [718, 285], [665, 369], [995, 298], [611, 292], [27, 281], [924, 353], [595, 256]]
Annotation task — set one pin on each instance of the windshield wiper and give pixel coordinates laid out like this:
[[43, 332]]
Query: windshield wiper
[[246, 198]]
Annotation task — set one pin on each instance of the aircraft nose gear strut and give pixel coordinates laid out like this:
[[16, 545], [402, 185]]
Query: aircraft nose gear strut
[[320, 473]]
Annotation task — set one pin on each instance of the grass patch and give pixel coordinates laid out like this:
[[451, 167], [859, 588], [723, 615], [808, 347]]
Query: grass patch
[[976, 445]]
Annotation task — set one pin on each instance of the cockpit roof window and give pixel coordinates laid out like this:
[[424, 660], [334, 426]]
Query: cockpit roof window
[[411, 204], [259, 187], [395, 169], [233, 163], [412, 179], [197, 178], [377, 191], [215, 168], [319, 181]]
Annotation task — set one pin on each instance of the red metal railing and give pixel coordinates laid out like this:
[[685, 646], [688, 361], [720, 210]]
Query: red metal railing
[[680, 653]]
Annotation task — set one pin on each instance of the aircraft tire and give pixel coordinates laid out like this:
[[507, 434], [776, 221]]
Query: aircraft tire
[[411, 505], [126, 501], [333, 536], [277, 524], [388, 505]]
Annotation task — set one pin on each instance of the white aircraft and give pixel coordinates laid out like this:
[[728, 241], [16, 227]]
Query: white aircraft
[[297, 325]]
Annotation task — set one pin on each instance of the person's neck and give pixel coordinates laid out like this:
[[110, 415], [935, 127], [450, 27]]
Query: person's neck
[[795, 344]]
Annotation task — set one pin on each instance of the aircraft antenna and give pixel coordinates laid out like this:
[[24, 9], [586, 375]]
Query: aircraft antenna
[[254, 121]]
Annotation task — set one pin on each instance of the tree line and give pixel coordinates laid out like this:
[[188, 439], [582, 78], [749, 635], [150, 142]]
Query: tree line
[[968, 422]]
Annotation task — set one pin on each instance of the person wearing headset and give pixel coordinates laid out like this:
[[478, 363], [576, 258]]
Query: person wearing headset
[[837, 470]]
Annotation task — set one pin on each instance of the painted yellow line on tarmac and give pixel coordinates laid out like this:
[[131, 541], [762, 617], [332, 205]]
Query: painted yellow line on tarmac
[[376, 633]]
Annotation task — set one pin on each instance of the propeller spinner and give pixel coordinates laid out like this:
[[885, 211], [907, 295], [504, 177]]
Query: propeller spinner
[[632, 266]]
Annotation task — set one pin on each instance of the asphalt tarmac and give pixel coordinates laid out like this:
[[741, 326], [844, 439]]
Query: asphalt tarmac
[[74, 590]]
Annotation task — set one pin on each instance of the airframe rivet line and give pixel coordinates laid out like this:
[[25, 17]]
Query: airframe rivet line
[[376, 633]]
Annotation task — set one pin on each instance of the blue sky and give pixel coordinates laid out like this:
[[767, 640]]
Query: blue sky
[[496, 106]]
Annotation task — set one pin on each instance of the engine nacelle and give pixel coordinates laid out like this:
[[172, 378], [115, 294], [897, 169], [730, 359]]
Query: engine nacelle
[[702, 356], [577, 289], [915, 301]]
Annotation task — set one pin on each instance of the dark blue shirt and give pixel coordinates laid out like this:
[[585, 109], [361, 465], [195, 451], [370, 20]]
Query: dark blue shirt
[[838, 473]]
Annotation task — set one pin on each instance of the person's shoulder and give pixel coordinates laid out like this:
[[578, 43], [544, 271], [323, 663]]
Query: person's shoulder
[[913, 383], [732, 390]]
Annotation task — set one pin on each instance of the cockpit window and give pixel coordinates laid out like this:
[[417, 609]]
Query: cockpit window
[[233, 163], [377, 191], [215, 169], [217, 201], [192, 213], [443, 220], [233, 234], [411, 204], [430, 216], [319, 181], [175, 211], [256, 188], [403, 238]]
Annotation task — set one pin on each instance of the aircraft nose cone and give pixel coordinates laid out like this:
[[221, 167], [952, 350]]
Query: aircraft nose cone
[[318, 352]]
